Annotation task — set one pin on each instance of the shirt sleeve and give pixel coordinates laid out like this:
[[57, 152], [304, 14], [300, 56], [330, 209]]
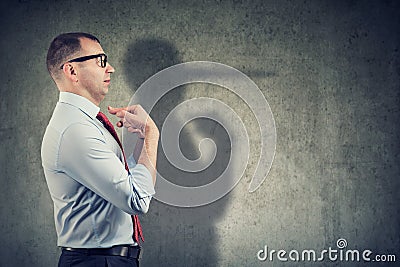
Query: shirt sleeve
[[87, 158], [142, 184]]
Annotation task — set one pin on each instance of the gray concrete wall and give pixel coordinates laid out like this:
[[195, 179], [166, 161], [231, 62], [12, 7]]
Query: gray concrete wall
[[329, 70]]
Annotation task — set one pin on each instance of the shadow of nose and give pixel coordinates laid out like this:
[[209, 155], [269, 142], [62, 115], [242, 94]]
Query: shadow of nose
[[146, 57]]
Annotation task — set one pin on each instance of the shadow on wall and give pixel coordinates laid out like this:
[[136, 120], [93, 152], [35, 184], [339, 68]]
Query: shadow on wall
[[178, 236]]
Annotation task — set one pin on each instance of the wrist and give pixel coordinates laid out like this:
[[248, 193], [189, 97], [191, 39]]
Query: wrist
[[151, 130]]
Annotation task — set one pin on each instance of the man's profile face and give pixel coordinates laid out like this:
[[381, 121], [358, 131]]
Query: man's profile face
[[91, 76]]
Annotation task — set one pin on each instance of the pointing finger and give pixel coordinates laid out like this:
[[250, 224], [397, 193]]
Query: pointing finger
[[114, 110]]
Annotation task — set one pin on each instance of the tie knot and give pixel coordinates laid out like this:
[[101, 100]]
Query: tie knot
[[108, 125], [102, 117], [106, 122]]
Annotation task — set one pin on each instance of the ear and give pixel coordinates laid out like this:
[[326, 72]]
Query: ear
[[70, 72]]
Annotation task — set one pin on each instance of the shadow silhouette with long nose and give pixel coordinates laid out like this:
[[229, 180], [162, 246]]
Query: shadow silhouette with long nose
[[178, 236]]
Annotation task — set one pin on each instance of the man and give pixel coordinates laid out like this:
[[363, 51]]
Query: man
[[94, 187]]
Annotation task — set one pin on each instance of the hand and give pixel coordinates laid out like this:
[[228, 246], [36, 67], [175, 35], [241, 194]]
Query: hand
[[134, 118]]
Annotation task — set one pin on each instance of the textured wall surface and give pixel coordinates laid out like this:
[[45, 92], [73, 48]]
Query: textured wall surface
[[330, 71]]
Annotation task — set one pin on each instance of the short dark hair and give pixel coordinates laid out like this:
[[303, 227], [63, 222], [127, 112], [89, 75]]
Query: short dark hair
[[62, 48]]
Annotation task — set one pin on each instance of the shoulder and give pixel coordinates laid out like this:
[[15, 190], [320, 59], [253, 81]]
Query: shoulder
[[73, 124], [82, 131]]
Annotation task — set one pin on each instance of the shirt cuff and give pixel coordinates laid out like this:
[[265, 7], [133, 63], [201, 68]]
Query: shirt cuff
[[141, 178]]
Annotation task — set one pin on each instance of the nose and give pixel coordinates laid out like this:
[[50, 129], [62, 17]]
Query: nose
[[109, 68]]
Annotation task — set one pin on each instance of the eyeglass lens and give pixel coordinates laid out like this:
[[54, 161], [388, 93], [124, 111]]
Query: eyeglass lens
[[103, 61]]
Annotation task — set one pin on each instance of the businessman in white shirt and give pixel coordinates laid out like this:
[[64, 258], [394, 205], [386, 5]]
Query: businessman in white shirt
[[95, 188]]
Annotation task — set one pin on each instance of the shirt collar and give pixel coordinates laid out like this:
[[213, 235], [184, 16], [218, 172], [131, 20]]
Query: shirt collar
[[80, 102]]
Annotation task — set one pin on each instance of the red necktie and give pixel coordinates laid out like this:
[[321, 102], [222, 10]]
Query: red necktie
[[108, 125]]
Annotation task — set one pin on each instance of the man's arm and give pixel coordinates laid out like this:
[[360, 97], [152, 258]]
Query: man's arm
[[136, 120], [146, 150], [87, 158]]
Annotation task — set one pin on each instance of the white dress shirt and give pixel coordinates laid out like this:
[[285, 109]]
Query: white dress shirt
[[94, 196]]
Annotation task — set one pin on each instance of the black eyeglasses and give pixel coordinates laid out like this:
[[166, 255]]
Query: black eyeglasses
[[103, 59]]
